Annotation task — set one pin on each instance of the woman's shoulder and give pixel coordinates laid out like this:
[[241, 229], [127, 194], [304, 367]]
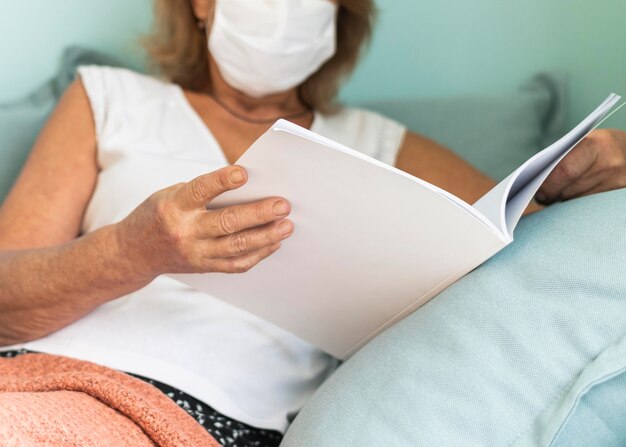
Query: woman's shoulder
[[364, 130], [120, 97], [121, 83], [120, 74]]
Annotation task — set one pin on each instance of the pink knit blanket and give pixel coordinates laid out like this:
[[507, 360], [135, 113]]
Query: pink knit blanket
[[57, 401]]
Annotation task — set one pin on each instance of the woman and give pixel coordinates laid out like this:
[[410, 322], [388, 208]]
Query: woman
[[105, 205]]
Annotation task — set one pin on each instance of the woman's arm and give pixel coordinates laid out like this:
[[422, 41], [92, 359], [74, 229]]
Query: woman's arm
[[47, 277], [46, 204], [429, 161], [435, 164], [45, 289], [50, 278]]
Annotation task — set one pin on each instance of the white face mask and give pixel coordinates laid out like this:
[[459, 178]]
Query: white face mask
[[263, 47]]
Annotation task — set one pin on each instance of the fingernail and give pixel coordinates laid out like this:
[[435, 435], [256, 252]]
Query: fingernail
[[281, 208], [285, 228], [236, 176]]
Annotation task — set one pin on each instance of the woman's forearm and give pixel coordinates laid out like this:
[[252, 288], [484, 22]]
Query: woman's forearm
[[45, 289]]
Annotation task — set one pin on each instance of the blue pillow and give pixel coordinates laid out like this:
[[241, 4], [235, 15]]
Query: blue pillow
[[520, 352], [494, 133], [22, 120]]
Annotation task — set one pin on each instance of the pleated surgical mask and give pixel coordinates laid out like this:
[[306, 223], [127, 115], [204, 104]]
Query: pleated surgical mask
[[263, 47]]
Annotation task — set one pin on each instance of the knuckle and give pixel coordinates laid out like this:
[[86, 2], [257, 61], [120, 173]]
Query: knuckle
[[616, 160], [228, 221], [162, 207], [177, 236], [166, 220], [219, 181], [242, 265], [237, 244], [261, 212], [198, 189], [603, 137], [566, 170]]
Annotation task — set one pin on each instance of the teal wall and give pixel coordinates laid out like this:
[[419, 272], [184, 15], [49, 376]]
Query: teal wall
[[447, 47], [421, 49], [33, 33]]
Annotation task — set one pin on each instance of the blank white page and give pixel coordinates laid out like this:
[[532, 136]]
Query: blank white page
[[506, 202], [369, 245]]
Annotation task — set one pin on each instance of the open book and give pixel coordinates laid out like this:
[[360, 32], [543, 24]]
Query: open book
[[371, 243]]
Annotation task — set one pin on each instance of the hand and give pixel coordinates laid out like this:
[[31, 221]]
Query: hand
[[597, 164], [173, 232]]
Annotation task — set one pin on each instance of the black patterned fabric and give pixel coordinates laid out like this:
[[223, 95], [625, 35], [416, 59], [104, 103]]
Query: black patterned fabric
[[227, 431]]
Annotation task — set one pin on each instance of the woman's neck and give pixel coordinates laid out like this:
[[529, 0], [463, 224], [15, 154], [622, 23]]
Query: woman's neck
[[267, 107]]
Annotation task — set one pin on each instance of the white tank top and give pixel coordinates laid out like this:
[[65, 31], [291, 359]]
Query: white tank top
[[149, 137]]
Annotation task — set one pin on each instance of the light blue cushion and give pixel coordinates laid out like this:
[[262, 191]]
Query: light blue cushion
[[520, 352], [494, 133], [598, 417], [22, 120]]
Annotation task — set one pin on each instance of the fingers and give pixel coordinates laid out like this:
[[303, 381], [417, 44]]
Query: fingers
[[203, 189], [597, 164], [243, 263], [577, 164], [233, 219], [601, 187], [582, 185], [250, 240]]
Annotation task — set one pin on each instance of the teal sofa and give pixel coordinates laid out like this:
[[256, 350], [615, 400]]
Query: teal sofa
[[526, 350]]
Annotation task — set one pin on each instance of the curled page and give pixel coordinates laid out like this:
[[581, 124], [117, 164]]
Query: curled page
[[506, 202]]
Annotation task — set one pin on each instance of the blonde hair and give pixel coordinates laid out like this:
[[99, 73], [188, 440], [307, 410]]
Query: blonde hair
[[177, 48]]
